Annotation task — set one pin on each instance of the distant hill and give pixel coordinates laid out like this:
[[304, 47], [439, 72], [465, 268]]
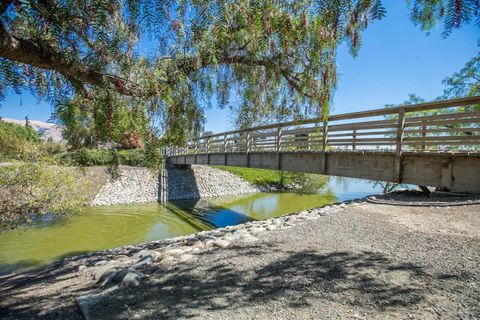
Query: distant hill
[[46, 130]]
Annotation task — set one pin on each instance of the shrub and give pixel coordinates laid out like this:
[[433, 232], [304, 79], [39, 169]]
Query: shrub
[[309, 183], [19, 131], [133, 157], [96, 157], [86, 157], [114, 168], [16, 141], [23, 143], [29, 189], [132, 140]]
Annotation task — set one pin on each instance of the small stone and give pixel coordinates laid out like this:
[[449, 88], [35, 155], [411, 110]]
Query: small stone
[[87, 301], [168, 259], [257, 230], [271, 227], [143, 253], [221, 243], [102, 274], [175, 252], [249, 238], [277, 222], [239, 232], [197, 244], [131, 279], [145, 261], [100, 263], [185, 257], [209, 242]]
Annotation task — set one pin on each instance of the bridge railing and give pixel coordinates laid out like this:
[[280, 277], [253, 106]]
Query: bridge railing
[[437, 126]]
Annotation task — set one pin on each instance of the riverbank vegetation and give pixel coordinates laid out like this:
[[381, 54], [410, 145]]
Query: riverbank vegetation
[[120, 103], [302, 182], [28, 190], [21, 143]]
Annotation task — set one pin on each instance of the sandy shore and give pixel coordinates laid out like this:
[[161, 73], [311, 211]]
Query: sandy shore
[[359, 261]]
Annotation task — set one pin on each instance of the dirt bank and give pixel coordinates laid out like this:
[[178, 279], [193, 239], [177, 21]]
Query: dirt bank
[[363, 261]]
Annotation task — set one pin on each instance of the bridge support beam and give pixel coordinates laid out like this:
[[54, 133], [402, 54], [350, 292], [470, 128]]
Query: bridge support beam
[[457, 172]]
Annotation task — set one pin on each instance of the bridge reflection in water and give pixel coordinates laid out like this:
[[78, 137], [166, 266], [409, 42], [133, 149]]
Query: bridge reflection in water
[[438, 148]]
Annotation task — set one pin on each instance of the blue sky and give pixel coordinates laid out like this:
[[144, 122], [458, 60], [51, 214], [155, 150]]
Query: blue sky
[[396, 59]]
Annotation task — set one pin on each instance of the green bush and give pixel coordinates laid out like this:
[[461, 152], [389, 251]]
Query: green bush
[[29, 189], [132, 157], [85, 157], [310, 183], [23, 143], [16, 141], [95, 157], [19, 131]]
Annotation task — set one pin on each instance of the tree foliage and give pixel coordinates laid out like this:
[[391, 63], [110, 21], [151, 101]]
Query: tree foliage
[[171, 57], [31, 189], [94, 59], [453, 13], [465, 82]]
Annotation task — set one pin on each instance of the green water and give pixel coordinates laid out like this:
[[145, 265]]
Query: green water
[[100, 228]]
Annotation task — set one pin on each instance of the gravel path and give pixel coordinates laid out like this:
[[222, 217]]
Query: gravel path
[[364, 261]]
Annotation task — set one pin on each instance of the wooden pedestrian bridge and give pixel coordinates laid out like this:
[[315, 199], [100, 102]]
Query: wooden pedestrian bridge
[[438, 147]]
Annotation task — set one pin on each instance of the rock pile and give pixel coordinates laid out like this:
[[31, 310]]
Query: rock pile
[[135, 185], [205, 182], [128, 266], [142, 185]]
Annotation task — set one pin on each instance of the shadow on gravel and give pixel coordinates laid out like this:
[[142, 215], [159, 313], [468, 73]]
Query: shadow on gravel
[[362, 279], [241, 278], [13, 286]]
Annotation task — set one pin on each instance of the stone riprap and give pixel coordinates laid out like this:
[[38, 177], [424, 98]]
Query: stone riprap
[[134, 185], [128, 266], [347, 261], [204, 182], [143, 185]]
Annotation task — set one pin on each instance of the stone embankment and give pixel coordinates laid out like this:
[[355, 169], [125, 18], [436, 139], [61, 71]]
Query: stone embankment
[[205, 182], [142, 185], [134, 185]]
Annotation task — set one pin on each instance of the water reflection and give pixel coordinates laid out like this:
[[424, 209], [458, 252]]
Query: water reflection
[[100, 228]]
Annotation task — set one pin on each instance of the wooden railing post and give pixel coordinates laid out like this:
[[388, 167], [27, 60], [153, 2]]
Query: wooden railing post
[[208, 145], [354, 143], [400, 128], [208, 150], [279, 147], [325, 135], [398, 151], [225, 149], [248, 142], [325, 145], [195, 150], [279, 139], [424, 135]]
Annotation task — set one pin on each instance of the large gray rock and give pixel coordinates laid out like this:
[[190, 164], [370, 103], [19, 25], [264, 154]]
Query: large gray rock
[[132, 279]]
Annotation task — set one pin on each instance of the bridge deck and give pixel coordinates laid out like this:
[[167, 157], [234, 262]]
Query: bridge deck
[[439, 147]]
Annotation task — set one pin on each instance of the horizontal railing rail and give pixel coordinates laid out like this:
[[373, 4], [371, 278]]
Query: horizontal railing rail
[[447, 125]]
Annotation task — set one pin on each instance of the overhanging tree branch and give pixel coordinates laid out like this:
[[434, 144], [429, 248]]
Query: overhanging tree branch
[[4, 6], [41, 56]]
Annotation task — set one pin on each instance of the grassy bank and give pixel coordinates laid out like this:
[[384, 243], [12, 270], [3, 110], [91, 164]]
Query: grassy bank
[[309, 183], [262, 177]]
